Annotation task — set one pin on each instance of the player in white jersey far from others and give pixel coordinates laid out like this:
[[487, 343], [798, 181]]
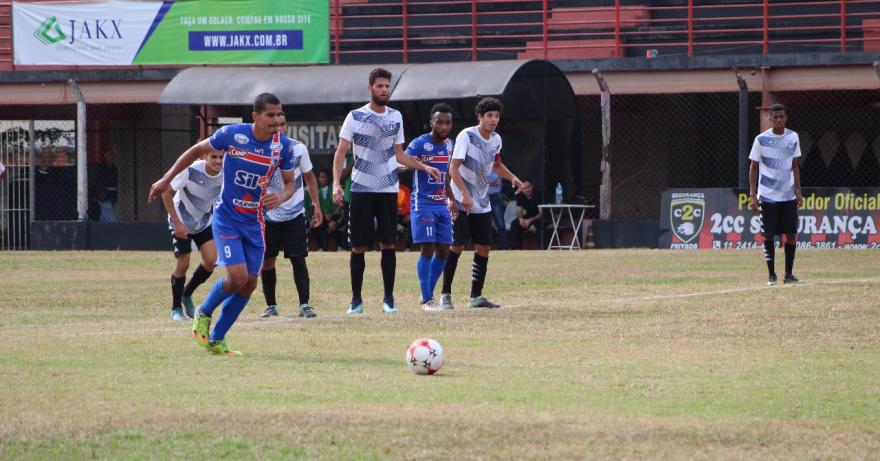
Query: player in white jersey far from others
[[775, 189], [375, 133], [286, 228], [477, 153], [195, 190]]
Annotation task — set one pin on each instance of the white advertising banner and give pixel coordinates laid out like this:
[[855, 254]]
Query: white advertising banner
[[107, 33]]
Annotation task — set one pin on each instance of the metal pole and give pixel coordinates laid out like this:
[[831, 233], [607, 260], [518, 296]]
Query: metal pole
[[605, 165], [546, 29], [32, 173], [405, 20], [618, 50], [82, 175], [843, 26], [766, 27], [743, 130], [473, 30], [690, 26]]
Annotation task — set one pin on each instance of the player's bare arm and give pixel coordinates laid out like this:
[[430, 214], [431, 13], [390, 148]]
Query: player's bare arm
[[467, 202], [186, 159], [450, 203], [180, 230], [753, 185], [502, 171], [274, 199], [312, 186], [338, 162], [412, 163], [796, 171]]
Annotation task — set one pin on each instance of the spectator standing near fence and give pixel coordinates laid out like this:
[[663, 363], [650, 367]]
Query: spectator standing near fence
[[775, 189]]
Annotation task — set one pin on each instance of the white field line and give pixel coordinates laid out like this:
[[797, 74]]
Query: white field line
[[256, 323]]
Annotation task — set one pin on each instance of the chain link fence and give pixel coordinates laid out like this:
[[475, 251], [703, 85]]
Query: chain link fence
[[662, 141]]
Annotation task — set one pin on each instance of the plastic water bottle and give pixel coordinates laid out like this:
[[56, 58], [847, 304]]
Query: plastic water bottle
[[558, 192]]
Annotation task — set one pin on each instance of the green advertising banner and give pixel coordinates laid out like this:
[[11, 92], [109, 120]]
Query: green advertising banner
[[239, 31], [122, 33]]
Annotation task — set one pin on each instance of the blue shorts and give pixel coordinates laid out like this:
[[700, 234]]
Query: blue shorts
[[431, 225], [239, 243]]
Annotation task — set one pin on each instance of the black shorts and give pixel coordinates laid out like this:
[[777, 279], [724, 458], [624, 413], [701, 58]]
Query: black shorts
[[367, 206], [779, 218], [290, 235], [477, 226], [184, 247]]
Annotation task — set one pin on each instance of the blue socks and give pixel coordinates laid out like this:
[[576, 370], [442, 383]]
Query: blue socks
[[437, 266], [423, 268], [216, 296], [228, 315]]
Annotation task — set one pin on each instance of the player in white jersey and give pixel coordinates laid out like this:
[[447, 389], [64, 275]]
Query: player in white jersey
[[375, 133], [477, 153], [286, 228], [775, 189], [189, 220]]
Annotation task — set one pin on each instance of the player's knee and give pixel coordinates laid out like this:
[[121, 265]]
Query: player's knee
[[457, 249], [249, 286], [442, 251], [183, 263], [209, 265]]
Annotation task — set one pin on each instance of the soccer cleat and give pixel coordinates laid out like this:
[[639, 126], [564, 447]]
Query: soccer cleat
[[446, 302], [188, 305], [306, 311], [201, 328], [480, 302], [389, 309], [177, 314], [355, 309], [271, 311], [790, 278], [221, 347], [771, 280]]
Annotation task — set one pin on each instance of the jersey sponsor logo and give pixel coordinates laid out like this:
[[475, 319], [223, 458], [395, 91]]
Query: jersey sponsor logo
[[686, 212], [236, 152], [241, 138], [246, 204], [276, 147], [246, 179]]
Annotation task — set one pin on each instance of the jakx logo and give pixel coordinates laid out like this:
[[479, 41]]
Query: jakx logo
[[50, 31], [44, 33]]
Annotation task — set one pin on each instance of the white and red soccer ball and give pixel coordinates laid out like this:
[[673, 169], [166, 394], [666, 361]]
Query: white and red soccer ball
[[424, 356]]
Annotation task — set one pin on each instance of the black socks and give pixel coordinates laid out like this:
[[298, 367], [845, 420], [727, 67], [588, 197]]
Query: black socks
[[449, 272], [269, 277], [478, 274]]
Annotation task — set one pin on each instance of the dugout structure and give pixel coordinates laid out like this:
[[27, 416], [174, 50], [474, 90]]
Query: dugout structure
[[539, 125]]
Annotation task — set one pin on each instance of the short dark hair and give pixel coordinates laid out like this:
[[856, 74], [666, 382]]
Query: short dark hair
[[489, 105], [526, 180], [440, 107], [776, 108], [379, 72], [264, 99], [324, 170]]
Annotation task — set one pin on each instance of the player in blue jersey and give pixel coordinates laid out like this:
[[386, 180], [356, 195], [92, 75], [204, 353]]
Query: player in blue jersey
[[253, 151], [430, 215]]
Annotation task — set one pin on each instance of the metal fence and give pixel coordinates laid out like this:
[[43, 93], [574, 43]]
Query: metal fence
[[691, 140]]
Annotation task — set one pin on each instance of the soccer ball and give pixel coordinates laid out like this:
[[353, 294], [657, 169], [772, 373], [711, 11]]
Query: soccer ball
[[424, 356]]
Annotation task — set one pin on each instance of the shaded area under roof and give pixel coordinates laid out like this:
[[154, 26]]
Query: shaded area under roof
[[348, 84]]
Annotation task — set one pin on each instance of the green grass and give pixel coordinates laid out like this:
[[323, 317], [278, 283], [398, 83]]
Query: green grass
[[599, 354]]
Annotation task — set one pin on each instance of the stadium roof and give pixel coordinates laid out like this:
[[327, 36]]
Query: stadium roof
[[306, 85]]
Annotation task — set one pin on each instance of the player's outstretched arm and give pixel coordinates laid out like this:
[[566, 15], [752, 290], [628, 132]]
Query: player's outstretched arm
[[312, 186], [338, 162], [412, 163], [501, 170], [186, 159]]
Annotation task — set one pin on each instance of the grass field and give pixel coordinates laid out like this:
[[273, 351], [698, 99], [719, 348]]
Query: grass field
[[597, 354]]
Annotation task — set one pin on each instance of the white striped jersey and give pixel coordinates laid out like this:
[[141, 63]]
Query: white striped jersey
[[373, 137], [294, 206], [774, 154], [196, 192], [478, 155]]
